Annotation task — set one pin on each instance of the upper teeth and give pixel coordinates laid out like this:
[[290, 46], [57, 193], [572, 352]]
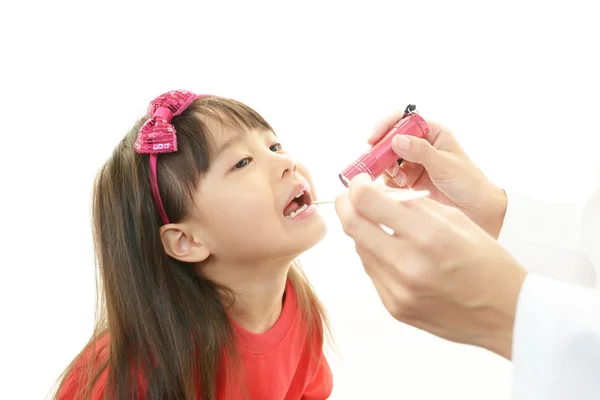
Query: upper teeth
[[298, 211]]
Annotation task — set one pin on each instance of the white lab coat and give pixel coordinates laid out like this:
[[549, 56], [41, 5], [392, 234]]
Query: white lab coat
[[556, 341]]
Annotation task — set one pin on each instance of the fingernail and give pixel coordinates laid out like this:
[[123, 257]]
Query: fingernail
[[394, 170], [361, 179], [400, 179], [400, 142]]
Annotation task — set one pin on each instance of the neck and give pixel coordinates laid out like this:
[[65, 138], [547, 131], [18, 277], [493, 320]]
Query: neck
[[258, 291]]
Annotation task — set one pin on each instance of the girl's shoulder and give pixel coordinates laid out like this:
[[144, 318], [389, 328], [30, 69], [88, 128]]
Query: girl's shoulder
[[86, 367]]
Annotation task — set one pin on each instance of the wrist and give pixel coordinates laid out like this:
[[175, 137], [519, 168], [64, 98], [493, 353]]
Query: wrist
[[498, 332]]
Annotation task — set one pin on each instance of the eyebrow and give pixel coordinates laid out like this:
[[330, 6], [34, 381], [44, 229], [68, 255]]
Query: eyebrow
[[235, 140], [229, 143]]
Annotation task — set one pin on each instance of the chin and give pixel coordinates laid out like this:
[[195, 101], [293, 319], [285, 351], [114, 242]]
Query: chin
[[312, 238]]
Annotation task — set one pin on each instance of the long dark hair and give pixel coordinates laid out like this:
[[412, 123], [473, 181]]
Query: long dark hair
[[158, 321]]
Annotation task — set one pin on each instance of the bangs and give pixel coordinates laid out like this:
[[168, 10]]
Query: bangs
[[237, 117]]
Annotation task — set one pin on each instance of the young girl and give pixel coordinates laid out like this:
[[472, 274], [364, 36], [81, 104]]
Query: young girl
[[198, 217]]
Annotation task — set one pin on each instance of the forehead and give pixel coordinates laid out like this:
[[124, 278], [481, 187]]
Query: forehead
[[225, 134]]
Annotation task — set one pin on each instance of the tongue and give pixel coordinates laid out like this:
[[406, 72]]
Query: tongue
[[293, 206]]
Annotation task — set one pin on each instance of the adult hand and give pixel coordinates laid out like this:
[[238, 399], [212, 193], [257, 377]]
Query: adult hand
[[439, 271], [439, 164]]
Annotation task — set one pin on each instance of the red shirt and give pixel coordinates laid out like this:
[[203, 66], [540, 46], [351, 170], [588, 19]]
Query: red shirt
[[277, 364]]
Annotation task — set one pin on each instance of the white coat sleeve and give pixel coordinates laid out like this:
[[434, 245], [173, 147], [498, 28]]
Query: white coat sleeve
[[556, 337], [547, 238]]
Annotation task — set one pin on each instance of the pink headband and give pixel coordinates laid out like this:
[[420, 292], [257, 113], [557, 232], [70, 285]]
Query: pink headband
[[158, 135]]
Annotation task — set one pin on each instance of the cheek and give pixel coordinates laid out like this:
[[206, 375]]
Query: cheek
[[304, 172], [247, 209], [243, 225]]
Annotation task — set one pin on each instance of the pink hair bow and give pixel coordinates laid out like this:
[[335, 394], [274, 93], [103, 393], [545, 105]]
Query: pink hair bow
[[157, 135]]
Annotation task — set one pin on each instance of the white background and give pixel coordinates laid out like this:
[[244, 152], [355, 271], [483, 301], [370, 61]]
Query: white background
[[517, 82]]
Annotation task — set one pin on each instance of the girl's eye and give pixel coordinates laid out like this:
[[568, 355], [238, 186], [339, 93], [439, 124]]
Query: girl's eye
[[276, 147], [243, 163]]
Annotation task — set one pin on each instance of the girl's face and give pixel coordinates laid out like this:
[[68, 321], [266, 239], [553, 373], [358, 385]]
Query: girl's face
[[242, 205]]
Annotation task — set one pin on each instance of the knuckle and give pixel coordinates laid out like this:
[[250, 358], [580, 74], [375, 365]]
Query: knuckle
[[404, 307], [425, 237], [418, 280], [427, 281], [419, 276]]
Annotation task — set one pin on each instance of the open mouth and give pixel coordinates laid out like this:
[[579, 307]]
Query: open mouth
[[298, 204]]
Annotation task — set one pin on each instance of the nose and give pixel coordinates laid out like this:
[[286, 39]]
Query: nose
[[287, 165]]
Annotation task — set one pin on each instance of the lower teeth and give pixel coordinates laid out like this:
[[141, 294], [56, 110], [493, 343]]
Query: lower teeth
[[298, 211]]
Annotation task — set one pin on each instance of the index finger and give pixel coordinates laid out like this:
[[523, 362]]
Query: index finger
[[374, 204], [383, 126], [364, 232]]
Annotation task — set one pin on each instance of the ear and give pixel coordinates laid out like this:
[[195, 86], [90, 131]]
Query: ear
[[182, 244]]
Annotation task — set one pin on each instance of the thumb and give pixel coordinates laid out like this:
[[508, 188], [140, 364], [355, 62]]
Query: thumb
[[417, 150]]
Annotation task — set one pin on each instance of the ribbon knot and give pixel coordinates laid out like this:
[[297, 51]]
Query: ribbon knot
[[158, 135]]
